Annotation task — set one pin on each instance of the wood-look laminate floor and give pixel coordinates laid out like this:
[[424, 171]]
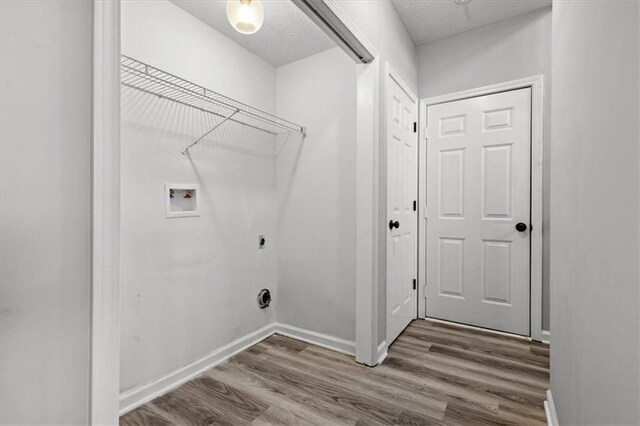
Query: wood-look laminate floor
[[435, 374]]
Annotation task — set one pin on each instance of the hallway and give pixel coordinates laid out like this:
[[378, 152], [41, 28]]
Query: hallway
[[435, 373]]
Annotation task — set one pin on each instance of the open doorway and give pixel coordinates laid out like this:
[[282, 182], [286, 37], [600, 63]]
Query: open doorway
[[227, 143]]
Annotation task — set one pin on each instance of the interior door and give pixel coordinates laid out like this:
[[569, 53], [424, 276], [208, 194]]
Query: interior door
[[402, 165], [478, 211]]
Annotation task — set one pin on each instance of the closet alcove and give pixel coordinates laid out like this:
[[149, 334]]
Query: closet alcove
[[259, 132]]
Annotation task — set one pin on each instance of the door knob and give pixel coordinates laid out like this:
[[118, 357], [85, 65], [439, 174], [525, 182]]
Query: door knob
[[521, 227], [393, 224]]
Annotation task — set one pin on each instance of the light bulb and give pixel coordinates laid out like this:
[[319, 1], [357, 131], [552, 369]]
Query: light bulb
[[246, 16]]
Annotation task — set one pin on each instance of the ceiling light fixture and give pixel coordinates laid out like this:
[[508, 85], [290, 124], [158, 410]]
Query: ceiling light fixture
[[246, 16], [460, 2]]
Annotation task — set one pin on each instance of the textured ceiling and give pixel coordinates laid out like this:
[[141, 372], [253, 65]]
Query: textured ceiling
[[429, 20], [286, 35]]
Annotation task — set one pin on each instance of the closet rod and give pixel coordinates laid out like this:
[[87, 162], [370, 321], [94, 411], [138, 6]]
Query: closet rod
[[151, 80]]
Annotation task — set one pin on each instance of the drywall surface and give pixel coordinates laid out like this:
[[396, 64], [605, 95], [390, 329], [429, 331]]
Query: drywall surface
[[595, 195], [381, 25], [317, 194], [45, 213], [509, 50], [164, 35], [189, 285]]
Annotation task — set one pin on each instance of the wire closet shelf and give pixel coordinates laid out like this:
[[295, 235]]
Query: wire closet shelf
[[151, 80]]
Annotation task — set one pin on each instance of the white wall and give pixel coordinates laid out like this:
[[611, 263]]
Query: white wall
[[45, 187], [508, 50], [189, 285], [171, 39], [317, 195], [595, 195], [380, 23]]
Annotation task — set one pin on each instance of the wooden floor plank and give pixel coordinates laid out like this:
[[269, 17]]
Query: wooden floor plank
[[321, 412], [435, 374], [274, 415], [502, 349], [296, 391], [283, 402], [146, 415], [489, 360], [348, 398], [440, 361], [379, 392]]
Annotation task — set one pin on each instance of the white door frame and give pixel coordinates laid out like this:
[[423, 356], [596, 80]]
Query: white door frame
[[368, 239], [536, 85], [105, 209], [370, 206]]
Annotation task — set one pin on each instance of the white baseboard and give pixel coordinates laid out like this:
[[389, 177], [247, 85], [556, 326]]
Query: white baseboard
[[318, 339], [546, 336], [382, 351], [145, 393], [550, 410]]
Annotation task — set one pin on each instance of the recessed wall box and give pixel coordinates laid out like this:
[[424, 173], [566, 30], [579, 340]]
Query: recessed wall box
[[181, 199]]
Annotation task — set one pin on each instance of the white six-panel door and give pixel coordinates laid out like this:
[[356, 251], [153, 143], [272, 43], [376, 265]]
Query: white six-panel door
[[478, 191], [402, 164]]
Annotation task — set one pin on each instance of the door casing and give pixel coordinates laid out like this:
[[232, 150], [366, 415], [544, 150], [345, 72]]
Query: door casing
[[536, 84]]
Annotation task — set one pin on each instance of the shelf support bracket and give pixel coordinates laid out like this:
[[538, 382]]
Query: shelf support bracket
[[186, 150]]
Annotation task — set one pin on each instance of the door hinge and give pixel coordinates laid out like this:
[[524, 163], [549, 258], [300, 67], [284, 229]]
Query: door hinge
[[415, 127], [415, 285], [415, 205], [424, 291]]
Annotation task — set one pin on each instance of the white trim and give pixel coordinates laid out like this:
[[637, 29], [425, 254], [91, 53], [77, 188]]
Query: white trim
[[382, 351], [550, 410], [545, 336], [105, 210], [485, 90], [537, 202], [422, 216], [537, 132], [145, 393], [142, 394], [323, 340], [367, 214]]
